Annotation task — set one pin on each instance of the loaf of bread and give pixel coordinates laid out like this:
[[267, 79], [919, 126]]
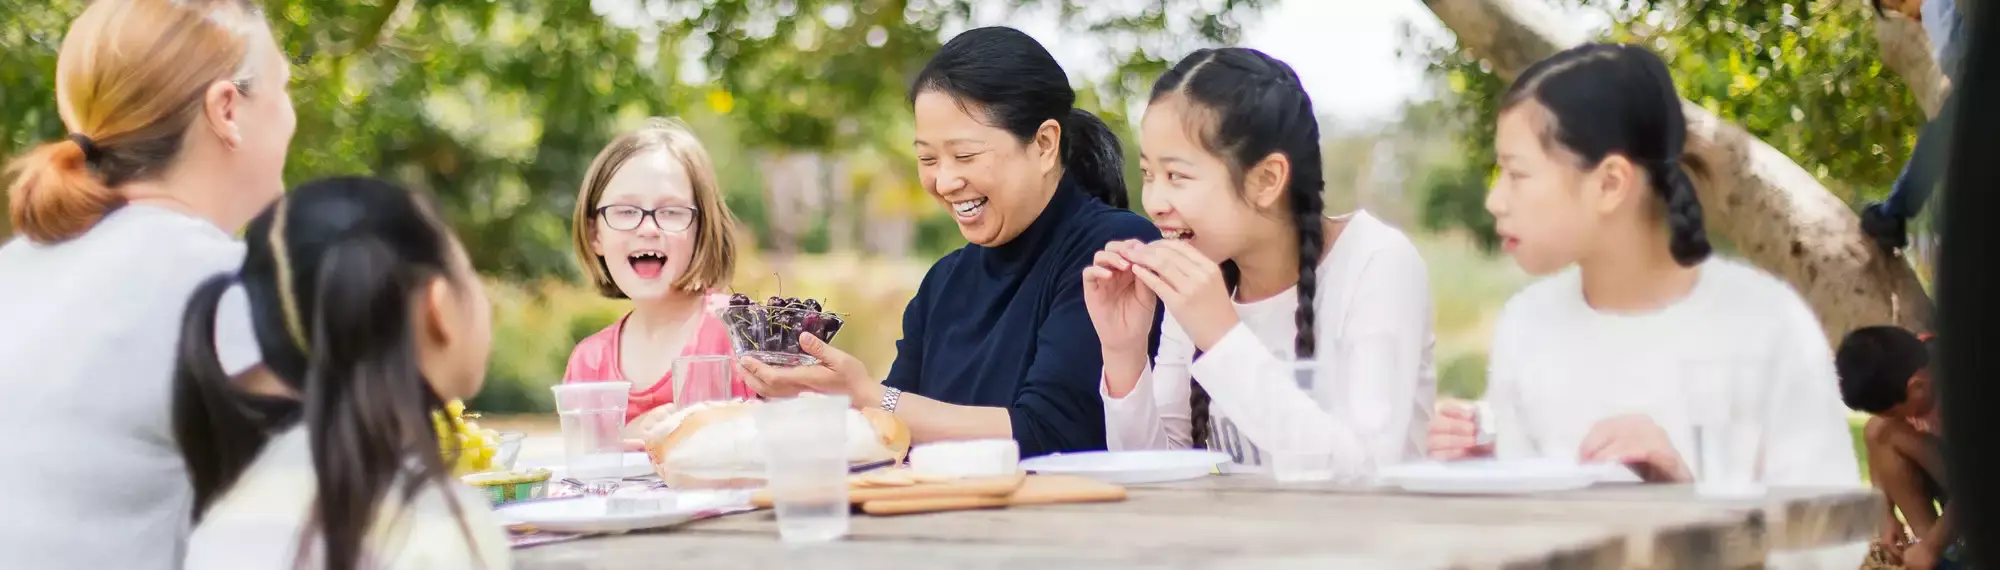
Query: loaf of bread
[[714, 444]]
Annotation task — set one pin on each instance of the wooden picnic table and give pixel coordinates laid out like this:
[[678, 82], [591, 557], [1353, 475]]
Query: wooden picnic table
[[1252, 521]]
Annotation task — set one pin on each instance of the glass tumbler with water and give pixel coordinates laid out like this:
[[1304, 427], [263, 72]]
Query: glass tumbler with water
[[1727, 415], [1302, 454], [592, 414], [804, 441], [702, 378]]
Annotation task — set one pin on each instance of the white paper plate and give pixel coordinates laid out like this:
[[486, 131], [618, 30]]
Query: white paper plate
[[636, 464], [1499, 477], [591, 513], [1127, 467]]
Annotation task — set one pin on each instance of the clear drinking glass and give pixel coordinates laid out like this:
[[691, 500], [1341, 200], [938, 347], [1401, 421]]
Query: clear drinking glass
[[1727, 415], [592, 414], [1300, 455], [702, 378], [804, 441]]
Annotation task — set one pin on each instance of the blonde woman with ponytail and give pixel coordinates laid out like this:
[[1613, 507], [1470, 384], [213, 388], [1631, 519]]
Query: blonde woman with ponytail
[[178, 126]]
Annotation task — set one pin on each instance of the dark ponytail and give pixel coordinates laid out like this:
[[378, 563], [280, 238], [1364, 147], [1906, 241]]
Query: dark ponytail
[[1092, 154], [1689, 241], [1020, 86], [1257, 107], [366, 402], [220, 428], [333, 273], [1606, 99]]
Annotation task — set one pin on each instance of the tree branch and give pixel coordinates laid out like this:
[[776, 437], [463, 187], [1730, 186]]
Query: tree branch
[[1906, 50], [1777, 214]]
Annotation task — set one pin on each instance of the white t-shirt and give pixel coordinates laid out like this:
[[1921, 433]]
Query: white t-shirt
[[88, 330], [1368, 409], [1558, 367], [259, 522]]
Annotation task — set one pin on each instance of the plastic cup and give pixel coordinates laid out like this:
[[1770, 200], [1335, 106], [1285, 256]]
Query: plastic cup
[[703, 378], [592, 414], [804, 441], [1727, 417]]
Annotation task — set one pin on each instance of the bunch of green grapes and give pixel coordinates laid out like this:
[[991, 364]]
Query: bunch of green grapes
[[476, 446]]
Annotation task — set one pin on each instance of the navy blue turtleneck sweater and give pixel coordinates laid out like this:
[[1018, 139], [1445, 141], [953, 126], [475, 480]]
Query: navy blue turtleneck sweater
[[1006, 326]]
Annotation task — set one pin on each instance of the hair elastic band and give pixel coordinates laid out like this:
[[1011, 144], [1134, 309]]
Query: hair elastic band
[[90, 151]]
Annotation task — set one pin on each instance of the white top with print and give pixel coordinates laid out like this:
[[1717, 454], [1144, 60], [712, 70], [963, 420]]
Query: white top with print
[[1367, 407]]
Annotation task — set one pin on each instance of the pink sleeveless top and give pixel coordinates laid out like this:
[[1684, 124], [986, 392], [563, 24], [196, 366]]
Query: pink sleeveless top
[[596, 359]]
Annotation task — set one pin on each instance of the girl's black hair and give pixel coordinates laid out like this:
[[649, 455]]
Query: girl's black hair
[[1248, 106], [1018, 85], [1605, 99], [332, 273]]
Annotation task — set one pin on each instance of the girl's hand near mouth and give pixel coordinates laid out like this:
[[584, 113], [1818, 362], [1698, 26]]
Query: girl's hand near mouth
[[1190, 285]]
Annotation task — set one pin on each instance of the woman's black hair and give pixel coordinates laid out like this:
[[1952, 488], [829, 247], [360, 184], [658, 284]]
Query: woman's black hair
[[332, 272], [1605, 99], [1018, 85], [1248, 106]]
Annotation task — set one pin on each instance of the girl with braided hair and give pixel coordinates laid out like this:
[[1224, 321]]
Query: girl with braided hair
[[1604, 359], [1254, 275]]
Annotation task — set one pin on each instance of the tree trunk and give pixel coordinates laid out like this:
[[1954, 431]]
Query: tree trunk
[[1777, 214], [1906, 50]]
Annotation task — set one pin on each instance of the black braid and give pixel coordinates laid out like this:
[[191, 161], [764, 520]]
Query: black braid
[[1689, 241], [1259, 108], [1198, 399]]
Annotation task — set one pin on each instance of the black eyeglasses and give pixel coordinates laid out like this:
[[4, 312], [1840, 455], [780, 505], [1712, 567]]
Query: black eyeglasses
[[627, 218]]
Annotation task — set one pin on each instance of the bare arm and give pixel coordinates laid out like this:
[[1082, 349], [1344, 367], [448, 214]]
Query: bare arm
[[932, 420]]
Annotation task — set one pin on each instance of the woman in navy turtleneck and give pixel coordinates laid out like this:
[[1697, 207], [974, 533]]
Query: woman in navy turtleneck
[[997, 342]]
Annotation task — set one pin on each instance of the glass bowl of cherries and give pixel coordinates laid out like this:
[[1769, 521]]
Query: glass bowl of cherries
[[769, 332]]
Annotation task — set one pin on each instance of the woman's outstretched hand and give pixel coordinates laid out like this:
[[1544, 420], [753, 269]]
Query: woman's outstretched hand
[[837, 373], [1121, 308]]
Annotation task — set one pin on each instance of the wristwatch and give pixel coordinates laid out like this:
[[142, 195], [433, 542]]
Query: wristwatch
[[890, 396]]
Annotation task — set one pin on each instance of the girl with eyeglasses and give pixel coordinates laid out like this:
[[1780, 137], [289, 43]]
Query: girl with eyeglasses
[[650, 226]]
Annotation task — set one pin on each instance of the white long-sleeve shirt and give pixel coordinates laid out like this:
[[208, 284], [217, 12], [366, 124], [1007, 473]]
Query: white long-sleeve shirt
[[1370, 408], [1558, 367]]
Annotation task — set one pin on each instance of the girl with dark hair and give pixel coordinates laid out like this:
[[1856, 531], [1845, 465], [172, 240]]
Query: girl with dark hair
[[1594, 362], [364, 304], [1254, 274], [997, 342]]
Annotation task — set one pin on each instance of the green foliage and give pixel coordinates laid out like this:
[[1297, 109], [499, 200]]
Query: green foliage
[[497, 106], [1802, 75]]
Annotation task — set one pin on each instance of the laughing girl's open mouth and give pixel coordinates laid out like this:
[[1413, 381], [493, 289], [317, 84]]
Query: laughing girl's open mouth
[[648, 264]]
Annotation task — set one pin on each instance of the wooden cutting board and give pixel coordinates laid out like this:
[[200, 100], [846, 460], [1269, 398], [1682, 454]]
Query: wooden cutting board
[[859, 493], [1036, 490]]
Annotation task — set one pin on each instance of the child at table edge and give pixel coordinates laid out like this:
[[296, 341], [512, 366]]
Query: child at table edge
[[1601, 360], [680, 250]]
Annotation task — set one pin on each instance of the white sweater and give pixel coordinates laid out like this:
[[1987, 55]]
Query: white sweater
[[1558, 367], [87, 335], [1368, 409]]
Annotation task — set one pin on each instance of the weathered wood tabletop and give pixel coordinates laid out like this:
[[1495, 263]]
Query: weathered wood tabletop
[[1251, 521]]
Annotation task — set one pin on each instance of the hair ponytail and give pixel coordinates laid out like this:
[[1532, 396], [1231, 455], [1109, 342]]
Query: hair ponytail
[[1689, 241], [366, 400], [56, 196], [219, 427], [1092, 154]]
